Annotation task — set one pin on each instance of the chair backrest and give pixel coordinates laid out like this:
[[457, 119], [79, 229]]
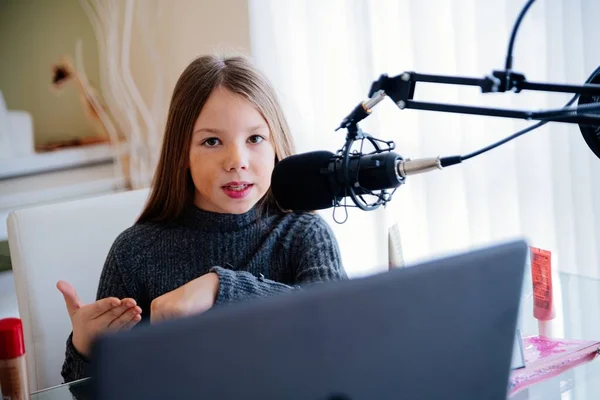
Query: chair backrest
[[68, 241]]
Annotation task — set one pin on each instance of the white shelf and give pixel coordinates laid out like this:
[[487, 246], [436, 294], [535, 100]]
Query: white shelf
[[54, 160], [56, 186]]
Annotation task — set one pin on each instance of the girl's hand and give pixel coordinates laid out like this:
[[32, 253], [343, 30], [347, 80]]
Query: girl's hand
[[89, 320]]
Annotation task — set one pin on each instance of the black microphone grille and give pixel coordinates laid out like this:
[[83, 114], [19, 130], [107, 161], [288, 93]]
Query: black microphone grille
[[301, 183], [591, 133]]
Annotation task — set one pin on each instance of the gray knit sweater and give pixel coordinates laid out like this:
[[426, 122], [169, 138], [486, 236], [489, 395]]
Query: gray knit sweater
[[253, 256]]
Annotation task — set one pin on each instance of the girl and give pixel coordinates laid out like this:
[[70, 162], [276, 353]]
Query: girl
[[211, 232]]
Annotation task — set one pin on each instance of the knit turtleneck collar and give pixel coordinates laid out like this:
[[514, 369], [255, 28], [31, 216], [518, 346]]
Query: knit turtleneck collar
[[196, 218]]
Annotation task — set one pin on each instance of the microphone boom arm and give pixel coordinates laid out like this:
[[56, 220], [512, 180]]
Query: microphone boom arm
[[401, 90]]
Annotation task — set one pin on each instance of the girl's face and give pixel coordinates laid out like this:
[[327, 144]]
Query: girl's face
[[231, 154]]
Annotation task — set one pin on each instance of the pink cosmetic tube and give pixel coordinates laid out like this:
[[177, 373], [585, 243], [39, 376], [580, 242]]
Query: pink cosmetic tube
[[543, 300]]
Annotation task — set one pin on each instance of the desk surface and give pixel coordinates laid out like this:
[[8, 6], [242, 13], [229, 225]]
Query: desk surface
[[79, 390], [578, 317]]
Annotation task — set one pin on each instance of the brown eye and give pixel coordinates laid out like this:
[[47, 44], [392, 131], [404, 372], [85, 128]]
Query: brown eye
[[255, 139], [211, 142]]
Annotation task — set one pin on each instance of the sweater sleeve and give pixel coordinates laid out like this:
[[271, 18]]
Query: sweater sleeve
[[315, 257], [111, 284]]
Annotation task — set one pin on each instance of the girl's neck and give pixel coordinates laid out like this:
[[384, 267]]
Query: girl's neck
[[218, 222]]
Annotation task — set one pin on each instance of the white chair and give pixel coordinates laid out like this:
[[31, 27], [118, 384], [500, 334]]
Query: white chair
[[68, 241]]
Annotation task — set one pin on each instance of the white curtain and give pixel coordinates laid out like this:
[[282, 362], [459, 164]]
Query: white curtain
[[323, 55]]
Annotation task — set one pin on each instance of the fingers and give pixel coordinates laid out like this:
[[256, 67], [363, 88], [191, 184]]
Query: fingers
[[115, 312], [132, 323], [72, 301], [127, 319], [100, 307], [129, 302]]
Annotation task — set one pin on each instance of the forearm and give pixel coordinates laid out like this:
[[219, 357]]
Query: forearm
[[241, 285]]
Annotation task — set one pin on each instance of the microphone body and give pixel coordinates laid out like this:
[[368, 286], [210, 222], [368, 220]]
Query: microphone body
[[319, 179]]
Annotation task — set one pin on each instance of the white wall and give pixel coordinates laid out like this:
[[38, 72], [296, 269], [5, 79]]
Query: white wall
[[35, 34]]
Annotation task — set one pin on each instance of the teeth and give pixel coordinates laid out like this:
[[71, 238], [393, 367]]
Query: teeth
[[237, 187]]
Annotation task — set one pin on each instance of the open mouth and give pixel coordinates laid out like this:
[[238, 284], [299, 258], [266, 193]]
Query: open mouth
[[237, 188]]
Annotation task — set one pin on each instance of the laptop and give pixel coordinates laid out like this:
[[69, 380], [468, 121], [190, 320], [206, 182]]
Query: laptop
[[443, 329]]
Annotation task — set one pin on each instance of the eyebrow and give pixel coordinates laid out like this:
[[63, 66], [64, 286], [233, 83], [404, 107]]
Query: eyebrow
[[219, 131]]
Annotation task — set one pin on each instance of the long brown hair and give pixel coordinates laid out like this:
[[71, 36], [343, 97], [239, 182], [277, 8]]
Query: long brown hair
[[172, 187]]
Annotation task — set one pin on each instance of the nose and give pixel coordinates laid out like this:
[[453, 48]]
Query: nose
[[236, 158]]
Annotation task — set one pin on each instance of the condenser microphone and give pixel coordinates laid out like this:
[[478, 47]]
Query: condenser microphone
[[318, 180]]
